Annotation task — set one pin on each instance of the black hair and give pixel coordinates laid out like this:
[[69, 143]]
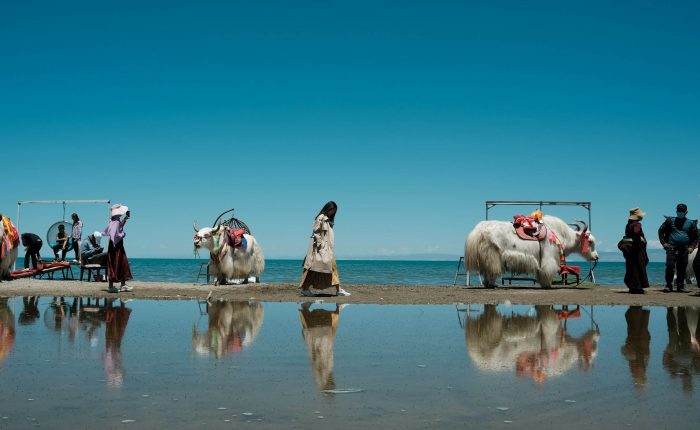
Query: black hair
[[61, 227], [329, 210], [681, 207], [77, 218]]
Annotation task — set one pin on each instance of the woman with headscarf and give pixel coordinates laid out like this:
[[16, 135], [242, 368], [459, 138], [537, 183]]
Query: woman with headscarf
[[117, 264], [635, 253], [320, 268]]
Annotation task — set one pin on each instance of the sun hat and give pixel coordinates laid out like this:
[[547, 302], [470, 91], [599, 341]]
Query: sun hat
[[118, 209], [636, 214]]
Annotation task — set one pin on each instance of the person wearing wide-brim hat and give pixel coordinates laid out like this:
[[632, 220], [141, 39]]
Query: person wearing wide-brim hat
[[117, 264], [636, 258]]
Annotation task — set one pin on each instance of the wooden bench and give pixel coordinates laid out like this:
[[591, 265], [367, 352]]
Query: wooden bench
[[89, 268]]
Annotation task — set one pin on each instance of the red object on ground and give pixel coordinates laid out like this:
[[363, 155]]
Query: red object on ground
[[17, 274]]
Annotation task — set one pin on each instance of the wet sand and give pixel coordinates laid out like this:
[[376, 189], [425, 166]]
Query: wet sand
[[376, 294]]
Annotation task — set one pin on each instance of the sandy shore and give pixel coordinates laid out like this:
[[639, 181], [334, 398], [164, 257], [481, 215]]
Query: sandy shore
[[377, 294]]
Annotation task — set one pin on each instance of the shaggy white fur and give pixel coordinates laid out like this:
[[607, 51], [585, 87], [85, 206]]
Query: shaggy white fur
[[493, 247], [10, 258], [237, 263]]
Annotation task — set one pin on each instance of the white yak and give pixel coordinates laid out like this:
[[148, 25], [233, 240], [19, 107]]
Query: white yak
[[228, 262], [493, 247], [10, 247]]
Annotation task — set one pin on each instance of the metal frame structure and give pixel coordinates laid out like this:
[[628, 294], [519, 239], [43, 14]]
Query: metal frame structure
[[54, 202], [490, 204]]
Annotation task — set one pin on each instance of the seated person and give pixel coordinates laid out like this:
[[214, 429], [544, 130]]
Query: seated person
[[33, 244], [61, 243], [91, 252]]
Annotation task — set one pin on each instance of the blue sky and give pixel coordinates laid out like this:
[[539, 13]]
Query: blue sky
[[408, 114]]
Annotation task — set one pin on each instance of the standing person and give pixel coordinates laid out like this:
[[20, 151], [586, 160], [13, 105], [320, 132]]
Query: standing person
[[117, 264], [61, 243], [677, 235], [320, 268], [33, 245], [76, 234], [636, 258]]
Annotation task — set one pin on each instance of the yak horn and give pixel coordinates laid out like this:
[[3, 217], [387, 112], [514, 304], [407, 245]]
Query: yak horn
[[585, 226], [194, 225]]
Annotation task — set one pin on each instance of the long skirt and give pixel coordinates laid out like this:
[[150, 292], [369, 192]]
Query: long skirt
[[318, 280], [117, 264], [636, 269]]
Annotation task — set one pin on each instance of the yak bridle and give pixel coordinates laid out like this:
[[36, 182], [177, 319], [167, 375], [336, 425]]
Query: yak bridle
[[585, 236], [214, 236]]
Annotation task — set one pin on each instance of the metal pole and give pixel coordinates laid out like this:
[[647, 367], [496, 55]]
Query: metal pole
[[14, 265]]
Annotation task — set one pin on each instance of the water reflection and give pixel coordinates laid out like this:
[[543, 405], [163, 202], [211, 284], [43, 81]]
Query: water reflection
[[68, 318], [232, 327], [30, 312], [7, 329], [537, 345], [318, 328], [636, 346], [116, 319], [682, 355]]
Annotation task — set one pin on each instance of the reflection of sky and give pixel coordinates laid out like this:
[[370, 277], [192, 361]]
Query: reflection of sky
[[409, 357]]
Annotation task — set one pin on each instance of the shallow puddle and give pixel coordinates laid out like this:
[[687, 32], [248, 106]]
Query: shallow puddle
[[82, 363]]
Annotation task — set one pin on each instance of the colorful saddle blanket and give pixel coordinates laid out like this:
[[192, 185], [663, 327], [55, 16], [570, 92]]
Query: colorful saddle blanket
[[10, 238], [234, 236], [528, 228]]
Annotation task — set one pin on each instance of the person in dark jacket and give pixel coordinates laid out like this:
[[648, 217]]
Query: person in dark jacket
[[33, 244], [677, 235], [636, 258]]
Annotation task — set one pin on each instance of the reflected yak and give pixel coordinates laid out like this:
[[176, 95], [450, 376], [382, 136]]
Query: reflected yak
[[232, 327], [536, 346]]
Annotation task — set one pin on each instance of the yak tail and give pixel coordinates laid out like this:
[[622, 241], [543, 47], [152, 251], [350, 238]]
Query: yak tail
[[258, 264], [481, 255], [471, 250]]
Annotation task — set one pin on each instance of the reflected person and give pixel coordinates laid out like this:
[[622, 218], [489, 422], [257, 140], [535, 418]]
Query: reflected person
[[682, 355], [233, 325], [30, 312], [636, 347], [116, 319], [318, 328]]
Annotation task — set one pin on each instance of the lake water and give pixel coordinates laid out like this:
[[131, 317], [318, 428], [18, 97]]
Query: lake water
[[185, 364], [438, 273]]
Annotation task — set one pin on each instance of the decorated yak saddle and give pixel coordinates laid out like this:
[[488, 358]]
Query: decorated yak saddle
[[530, 227], [234, 237]]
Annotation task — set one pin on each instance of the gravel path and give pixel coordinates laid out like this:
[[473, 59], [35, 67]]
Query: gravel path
[[377, 294]]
